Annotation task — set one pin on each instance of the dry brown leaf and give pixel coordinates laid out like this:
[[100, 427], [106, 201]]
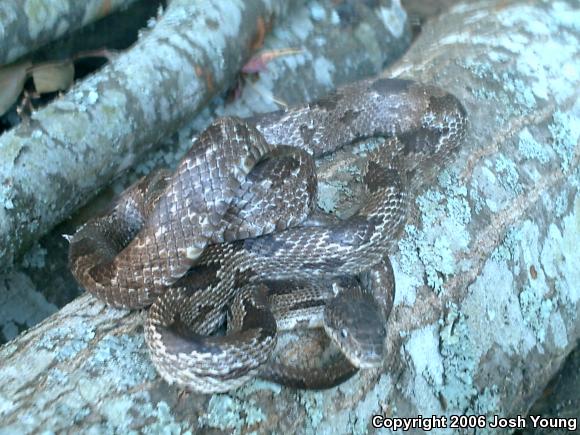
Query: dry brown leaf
[[12, 78], [259, 61], [53, 76]]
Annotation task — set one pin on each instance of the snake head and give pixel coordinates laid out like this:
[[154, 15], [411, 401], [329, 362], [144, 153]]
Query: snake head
[[356, 324]]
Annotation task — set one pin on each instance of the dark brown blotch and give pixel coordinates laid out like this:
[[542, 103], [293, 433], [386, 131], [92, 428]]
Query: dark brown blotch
[[198, 278], [378, 177], [179, 338], [348, 117], [306, 133]]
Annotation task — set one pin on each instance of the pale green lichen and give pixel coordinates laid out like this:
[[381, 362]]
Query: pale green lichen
[[163, 421], [56, 377], [330, 193], [65, 341], [229, 413], [423, 348], [258, 385], [124, 355], [509, 177], [536, 307], [313, 403], [475, 196], [542, 258], [565, 130], [363, 148], [561, 204], [394, 18], [359, 418], [559, 331], [536, 311], [508, 248], [124, 413], [530, 148], [560, 259], [489, 300], [488, 402], [436, 256], [459, 361], [445, 217]]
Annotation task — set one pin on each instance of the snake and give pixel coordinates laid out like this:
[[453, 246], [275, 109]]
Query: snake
[[234, 233]]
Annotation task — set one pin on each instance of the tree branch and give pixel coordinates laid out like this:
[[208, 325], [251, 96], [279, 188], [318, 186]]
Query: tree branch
[[28, 25]]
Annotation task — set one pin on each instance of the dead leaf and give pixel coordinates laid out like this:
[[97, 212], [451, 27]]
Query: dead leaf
[[12, 78], [259, 61], [53, 76]]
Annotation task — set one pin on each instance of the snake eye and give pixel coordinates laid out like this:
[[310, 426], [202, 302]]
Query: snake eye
[[344, 333]]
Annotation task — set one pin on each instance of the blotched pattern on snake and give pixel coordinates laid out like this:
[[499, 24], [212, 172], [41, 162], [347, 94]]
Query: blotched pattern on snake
[[228, 233]]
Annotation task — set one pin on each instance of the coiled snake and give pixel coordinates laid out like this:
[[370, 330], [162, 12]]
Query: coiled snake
[[225, 232]]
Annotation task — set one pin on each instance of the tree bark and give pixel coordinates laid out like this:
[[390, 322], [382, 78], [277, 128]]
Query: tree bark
[[26, 25], [76, 145], [486, 274]]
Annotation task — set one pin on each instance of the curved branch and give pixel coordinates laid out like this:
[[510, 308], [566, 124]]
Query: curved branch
[[27, 25]]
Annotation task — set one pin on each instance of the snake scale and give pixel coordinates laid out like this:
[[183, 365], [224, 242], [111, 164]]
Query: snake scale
[[231, 233]]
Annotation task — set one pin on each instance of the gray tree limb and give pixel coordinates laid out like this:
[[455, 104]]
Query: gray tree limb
[[487, 273], [76, 145], [26, 25]]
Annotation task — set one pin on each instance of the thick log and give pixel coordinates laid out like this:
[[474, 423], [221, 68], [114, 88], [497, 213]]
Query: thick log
[[25, 26], [487, 273]]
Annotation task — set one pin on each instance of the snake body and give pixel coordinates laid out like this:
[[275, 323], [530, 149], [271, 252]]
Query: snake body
[[205, 240]]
